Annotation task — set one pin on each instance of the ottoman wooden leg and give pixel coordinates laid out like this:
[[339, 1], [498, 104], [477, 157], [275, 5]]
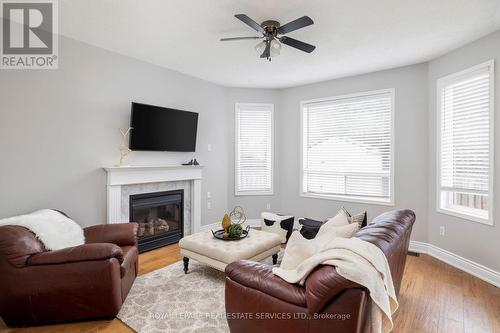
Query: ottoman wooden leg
[[275, 259], [186, 264]]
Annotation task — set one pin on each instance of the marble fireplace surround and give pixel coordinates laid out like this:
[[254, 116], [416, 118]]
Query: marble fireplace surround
[[127, 180]]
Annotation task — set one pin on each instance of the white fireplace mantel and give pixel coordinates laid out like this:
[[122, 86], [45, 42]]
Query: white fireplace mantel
[[128, 175]]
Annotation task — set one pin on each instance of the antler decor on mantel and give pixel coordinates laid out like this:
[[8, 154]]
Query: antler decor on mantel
[[124, 149]]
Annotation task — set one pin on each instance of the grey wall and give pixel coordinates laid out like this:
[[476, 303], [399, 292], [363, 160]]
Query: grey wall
[[472, 240], [58, 128], [411, 144]]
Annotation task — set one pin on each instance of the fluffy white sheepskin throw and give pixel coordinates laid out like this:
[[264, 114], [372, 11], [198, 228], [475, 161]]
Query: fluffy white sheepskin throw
[[52, 228]]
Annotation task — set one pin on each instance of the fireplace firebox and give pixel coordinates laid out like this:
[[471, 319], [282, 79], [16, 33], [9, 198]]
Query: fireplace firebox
[[160, 216]]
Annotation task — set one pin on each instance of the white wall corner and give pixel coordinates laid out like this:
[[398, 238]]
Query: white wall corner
[[482, 272]]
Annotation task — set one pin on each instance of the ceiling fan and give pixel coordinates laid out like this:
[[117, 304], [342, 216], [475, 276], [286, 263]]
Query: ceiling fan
[[272, 32]]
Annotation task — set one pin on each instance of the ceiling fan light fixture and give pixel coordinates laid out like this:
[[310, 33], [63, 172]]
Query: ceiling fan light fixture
[[275, 48], [259, 48]]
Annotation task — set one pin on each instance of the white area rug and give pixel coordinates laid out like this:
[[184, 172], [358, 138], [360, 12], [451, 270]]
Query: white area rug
[[167, 300]]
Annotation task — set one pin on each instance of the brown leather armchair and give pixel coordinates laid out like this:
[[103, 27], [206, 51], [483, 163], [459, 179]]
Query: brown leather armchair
[[87, 281], [259, 301]]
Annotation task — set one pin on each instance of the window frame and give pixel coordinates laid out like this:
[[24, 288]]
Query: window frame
[[440, 84], [237, 191], [349, 198]]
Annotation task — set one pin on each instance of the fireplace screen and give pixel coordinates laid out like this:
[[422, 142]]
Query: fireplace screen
[[160, 218]]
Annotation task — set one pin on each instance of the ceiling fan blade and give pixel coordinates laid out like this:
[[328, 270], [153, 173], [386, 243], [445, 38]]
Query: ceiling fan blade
[[248, 21], [238, 38], [297, 44], [267, 51], [302, 22]]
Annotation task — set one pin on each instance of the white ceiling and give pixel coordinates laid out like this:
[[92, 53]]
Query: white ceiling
[[352, 37]]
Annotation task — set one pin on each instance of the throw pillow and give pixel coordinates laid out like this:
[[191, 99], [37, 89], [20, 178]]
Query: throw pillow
[[282, 225], [359, 218], [340, 219], [309, 227], [345, 231], [299, 249]]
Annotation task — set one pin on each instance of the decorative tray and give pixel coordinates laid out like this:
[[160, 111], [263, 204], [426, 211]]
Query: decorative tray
[[219, 234]]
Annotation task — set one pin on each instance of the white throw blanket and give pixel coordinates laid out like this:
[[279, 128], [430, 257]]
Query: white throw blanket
[[356, 260], [52, 228]]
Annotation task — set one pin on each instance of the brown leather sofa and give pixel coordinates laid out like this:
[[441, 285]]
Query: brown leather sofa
[[87, 281], [258, 301]]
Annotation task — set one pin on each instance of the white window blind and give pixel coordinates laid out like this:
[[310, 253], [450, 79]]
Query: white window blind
[[465, 142], [254, 149], [347, 147]]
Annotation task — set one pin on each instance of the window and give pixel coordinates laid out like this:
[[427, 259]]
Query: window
[[465, 143], [254, 149], [347, 147]]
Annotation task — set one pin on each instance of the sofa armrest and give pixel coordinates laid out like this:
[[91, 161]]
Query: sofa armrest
[[322, 285], [260, 277], [86, 252], [121, 234]]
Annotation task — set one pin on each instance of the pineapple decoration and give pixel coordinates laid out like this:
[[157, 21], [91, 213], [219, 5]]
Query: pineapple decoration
[[232, 223], [226, 223]]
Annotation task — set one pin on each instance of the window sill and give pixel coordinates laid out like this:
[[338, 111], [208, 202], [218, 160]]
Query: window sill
[[348, 199], [465, 216]]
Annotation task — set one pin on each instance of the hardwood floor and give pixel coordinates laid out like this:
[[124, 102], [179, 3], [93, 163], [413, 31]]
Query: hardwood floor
[[434, 297]]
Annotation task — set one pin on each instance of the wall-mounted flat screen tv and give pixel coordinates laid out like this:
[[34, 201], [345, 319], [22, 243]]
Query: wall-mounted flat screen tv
[[157, 128]]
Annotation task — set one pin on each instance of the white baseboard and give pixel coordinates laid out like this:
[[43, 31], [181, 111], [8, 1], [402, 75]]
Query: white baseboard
[[419, 247], [484, 273]]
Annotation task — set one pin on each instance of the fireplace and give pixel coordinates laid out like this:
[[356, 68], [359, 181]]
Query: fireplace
[[160, 216]]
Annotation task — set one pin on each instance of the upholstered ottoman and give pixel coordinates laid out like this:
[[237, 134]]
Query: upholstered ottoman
[[203, 247]]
